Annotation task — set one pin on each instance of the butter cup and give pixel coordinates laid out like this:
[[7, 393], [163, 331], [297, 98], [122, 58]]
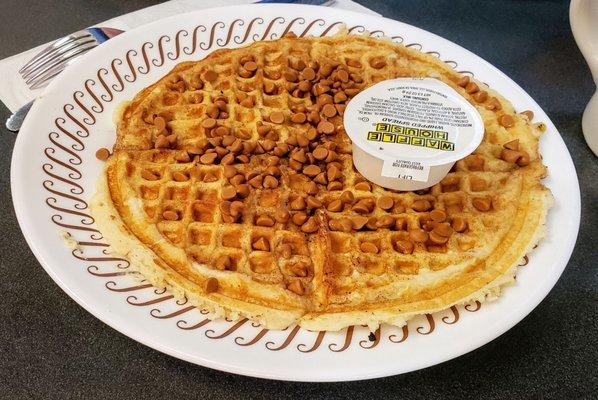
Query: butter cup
[[407, 133]]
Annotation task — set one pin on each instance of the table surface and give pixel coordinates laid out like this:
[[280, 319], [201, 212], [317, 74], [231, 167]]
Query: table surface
[[58, 350]]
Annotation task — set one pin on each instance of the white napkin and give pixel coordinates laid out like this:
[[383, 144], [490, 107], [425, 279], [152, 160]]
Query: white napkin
[[14, 93]]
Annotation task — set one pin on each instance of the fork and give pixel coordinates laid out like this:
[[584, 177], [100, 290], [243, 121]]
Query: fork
[[53, 59], [57, 56]]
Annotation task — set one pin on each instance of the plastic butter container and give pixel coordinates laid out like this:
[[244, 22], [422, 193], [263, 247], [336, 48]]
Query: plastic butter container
[[407, 133]]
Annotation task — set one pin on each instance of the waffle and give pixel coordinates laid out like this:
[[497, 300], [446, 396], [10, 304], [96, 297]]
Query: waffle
[[231, 182]]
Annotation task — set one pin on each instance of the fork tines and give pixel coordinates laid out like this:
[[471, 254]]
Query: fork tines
[[55, 57]]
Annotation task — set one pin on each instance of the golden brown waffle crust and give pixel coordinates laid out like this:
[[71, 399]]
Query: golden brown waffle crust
[[142, 259]]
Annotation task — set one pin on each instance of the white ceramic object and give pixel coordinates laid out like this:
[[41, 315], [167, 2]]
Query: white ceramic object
[[583, 15], [54, 171]]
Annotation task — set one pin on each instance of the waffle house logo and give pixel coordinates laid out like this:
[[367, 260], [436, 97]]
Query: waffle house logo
[[390, 133]]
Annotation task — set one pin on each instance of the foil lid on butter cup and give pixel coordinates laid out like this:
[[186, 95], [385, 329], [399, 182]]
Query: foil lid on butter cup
[[408, 132]]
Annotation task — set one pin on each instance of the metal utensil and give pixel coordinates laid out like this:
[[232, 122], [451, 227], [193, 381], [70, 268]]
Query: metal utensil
[[53, 59]]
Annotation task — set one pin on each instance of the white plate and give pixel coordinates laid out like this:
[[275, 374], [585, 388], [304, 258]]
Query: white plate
[[54, 171]]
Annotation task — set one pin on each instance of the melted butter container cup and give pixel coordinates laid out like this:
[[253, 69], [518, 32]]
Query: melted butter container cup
[[408, 132]]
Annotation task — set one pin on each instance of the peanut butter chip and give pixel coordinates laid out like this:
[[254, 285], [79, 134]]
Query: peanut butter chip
[[358, 222], [256, 181], [228, 159], [236, 208], [308, 73], [404, 246], [229, 171], [459, 224], [400, 224], [343, 75], [162, 142], [183, 157], [170, 215], [273, 170], [311, 170], [179, 176], [250, 66], [509, 155], [341, 225], [299, 270], [437, 239], [247, 102], [528, 114], [385, 202], [320, 153], [506, 120], [313, 203], [333, 173], [463, 81], [335, 206], [363, 186], [482, 203], [471, 88], [481, 96], [149, 175], [285, 250], [438, 215], [477, 184], [385, 221], [291, 75], [418, 235], [524, 159], [325, 127], [329, 111], [310, 226], [368, 247], [263, 130], [311, 188], [347, 197], [321, 178], [208, 158], [208, 123], [102, 154], [210, 75], [281, 216], [377, 62], [512, 145], [298, 204], [277, 117], [345, 225], [421, 205], [159, 124], [211, 285], [296, 287], [229, 192], [237, 180], [223, 262], [443, 229], [299, 218], [261, 244], [270, 182], [264, 220], [298, 118], [361, 208]]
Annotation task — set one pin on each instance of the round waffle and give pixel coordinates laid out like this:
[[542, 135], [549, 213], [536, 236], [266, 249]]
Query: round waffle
[[231, 182]]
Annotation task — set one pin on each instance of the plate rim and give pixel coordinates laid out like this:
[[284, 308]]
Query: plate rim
[[505, 324]]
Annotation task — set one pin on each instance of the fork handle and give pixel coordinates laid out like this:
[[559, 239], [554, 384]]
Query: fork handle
[[14, 122]]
